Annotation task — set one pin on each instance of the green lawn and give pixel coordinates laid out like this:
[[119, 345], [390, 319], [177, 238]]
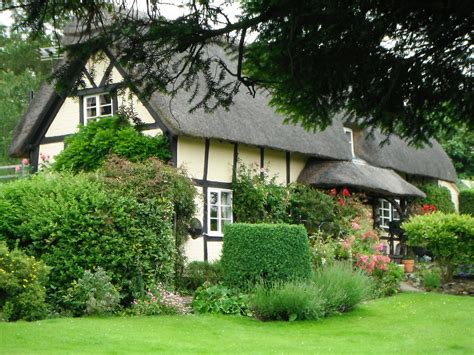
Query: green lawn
[[407, 323]]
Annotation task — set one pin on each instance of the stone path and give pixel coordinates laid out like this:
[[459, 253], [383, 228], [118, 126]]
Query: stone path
[[405, 287]]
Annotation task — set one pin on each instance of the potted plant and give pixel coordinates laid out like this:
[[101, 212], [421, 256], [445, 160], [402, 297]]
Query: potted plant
[[409, 261]]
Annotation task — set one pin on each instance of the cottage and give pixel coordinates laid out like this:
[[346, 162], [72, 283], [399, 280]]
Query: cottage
[[211, 145]]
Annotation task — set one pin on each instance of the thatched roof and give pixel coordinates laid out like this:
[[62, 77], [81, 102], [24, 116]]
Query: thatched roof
[[252, 121], [383, 182], [398, 155]]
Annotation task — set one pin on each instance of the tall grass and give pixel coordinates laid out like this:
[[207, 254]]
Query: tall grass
[[333, 289]]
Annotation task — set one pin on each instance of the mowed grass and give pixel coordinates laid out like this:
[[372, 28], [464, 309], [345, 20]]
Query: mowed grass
[[407, 323]]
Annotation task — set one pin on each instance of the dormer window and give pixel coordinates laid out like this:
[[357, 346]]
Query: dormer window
[[350, 139], [96, 106]]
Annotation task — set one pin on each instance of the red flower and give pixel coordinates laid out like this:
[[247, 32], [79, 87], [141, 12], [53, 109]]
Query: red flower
[[333, 192], [433, 208], [342, 202], [426, 208], [346, 192]]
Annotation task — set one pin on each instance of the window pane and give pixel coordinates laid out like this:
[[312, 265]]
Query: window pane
[[214, 211], [213, 225], [90, 101], [226, 198], [91, 112], [105, 99], [226, 212], [213, 198], [106, 110]]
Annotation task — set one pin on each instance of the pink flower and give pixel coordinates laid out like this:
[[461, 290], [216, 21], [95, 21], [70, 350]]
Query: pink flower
[[17, 168], [25, 161], [364, 258], [333, 192], [355, 226]]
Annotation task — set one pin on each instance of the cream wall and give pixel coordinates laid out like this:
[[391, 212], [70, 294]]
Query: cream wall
[[49, 151], [275, 164], [221, 159], [128, 99], [191, 156], [66, 120], [297, 164], [214, 250], [194, 248], [249, 155], [453, 190]]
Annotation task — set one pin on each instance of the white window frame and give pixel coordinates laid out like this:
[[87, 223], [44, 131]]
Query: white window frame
[[97, 106], [384, 221], [348, 130], [219, 232]]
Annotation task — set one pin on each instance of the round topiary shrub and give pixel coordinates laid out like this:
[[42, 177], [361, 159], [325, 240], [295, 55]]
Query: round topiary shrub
[[264, 252]]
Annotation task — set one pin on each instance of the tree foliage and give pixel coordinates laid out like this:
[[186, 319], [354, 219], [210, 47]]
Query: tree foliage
[[402, 67]]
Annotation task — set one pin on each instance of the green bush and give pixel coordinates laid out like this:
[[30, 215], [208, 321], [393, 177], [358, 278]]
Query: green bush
[[333, 289], [93, 294], [78, 223], [22, 281], [341, 287], [89, 148], [268, 252], [257, 198], [197, 273], [466, 202], [449, 237], [219, 299], [387, 282], [289, 301], [438, 196], [431, 279]]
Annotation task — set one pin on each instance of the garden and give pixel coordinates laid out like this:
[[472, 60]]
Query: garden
[[98, 236]]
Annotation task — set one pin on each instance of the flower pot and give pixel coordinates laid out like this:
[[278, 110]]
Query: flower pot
[[409, 265]]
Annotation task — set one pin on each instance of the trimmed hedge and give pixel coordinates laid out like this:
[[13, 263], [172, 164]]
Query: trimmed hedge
[[438, 196], [264, 252], [450, 237], [466, 202]]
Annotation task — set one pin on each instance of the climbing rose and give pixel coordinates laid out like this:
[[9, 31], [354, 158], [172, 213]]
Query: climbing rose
[[346, 192]]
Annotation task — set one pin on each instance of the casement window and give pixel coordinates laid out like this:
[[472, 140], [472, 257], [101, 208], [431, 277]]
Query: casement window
[[387, 213], [96, 106], [350, 139], [219, 210]]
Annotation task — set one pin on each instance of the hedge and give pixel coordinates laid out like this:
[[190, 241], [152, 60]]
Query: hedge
[[466, 202], [450, 237], [438, 196], [264, 252]]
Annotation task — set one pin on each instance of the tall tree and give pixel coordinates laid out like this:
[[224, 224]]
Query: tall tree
[[396, 65], [21, 72]]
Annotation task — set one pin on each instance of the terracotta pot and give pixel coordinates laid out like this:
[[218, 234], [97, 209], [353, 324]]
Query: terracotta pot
[[409, 265]]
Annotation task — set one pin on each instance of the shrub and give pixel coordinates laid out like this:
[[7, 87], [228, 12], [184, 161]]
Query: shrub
[[449, 237], [197, 273], [22, 291], [341, 287], [268, 252], [89, 148], [93, 294], [289, 301], [217, 299], [78, 223], [387, 282], [159, 300], [438, 196], [323, 250], [431, 279], [333, 289], [466, 202]]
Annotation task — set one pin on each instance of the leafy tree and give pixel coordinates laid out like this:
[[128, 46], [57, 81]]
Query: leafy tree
[[401, 66], [21, 72]]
